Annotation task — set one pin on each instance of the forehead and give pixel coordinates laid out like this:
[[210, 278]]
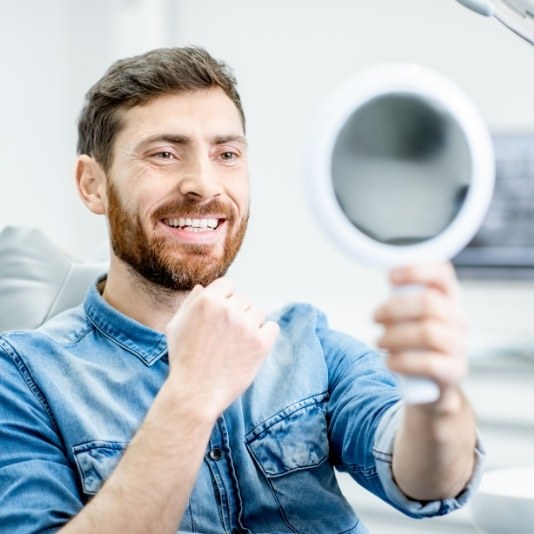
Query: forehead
[[206, 110]]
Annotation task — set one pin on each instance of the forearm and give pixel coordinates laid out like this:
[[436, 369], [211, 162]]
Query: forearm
[[149, 489], [217, 342], [434, 452]]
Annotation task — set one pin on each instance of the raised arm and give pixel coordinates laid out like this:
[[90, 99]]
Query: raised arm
[[424, 334]]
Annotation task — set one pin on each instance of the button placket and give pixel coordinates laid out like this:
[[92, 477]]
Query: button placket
[[219, 459]]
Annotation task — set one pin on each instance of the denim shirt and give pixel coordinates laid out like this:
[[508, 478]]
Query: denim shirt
[[74, 392]]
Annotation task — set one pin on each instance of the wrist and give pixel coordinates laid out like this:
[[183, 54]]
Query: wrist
[[441, 419], [185, 400]]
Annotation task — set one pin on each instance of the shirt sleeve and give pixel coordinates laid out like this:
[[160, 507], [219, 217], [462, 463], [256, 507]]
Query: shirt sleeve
[[365, 409], [38, 488], [383, 452]]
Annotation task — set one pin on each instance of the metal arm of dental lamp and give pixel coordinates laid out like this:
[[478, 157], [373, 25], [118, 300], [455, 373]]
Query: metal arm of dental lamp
[[516, 15]]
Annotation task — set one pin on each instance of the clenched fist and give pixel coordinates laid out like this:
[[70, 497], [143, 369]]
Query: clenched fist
[[217, 342]]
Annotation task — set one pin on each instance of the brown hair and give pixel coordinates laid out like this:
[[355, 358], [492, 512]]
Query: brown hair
[[137, 80]]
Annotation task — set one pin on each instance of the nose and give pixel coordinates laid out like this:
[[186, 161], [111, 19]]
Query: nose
[[200, 179]]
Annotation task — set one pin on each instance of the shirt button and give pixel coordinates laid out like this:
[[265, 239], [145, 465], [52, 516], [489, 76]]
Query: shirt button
[[215, 454]]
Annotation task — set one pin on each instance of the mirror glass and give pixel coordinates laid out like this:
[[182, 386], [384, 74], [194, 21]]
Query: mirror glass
[[401, 169]]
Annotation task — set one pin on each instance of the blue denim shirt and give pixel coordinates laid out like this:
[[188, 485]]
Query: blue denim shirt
[[73, 393]]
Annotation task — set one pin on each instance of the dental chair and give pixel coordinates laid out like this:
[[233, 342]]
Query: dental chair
[[37, 279]]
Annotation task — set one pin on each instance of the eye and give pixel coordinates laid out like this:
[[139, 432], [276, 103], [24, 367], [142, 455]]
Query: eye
[[228, 156], [163, 155]]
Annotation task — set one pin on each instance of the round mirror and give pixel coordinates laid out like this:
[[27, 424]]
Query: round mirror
[[402, 171], [402, 166]]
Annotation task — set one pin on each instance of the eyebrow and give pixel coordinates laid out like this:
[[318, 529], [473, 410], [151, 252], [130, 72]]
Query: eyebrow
[[184, 139], [223, 139]]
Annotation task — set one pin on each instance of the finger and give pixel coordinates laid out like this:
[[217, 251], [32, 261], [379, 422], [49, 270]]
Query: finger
[[193, 293], [239, 302], [423, 335], [440, 275], [189, 299], [218, 290], [270, 331], [221, 287], [428, 303], [403, 307], [255, 316], [434, 365]]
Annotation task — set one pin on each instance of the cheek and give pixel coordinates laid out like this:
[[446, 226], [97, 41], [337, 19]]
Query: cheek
[[241, 196], [244, 204], [124, 206], [143, 198]]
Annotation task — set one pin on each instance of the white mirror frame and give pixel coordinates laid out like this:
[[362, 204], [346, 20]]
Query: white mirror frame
[[437, 91]]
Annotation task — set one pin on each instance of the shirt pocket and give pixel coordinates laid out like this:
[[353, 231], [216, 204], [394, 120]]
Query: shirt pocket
[[295, 438], [96, 460], [291, 450]]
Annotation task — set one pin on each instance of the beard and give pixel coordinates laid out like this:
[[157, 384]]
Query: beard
[[172, 266]]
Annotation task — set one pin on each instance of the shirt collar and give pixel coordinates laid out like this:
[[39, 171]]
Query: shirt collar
[[147, 344]]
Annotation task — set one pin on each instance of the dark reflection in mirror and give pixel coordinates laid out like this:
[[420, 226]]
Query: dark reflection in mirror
[[401, 168]]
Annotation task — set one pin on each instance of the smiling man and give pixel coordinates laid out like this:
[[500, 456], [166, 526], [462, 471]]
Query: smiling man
[[167, 401]]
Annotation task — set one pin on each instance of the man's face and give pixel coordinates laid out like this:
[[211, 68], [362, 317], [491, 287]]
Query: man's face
[[178, 188]]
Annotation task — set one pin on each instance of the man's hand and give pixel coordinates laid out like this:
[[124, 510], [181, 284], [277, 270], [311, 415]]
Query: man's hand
[[425, 331], [217, 343], [424, 334]]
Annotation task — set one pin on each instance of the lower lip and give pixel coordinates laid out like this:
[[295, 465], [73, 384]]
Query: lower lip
[[206, 237]]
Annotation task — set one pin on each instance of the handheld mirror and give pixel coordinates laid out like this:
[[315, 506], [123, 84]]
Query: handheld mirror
[[402, 172]]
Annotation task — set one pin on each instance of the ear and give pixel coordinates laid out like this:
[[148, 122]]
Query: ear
[[91, 182]]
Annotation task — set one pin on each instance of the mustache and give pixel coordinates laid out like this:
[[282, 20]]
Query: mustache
[[189, 207]]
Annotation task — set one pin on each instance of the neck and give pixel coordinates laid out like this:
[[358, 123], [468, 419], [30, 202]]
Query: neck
[[139, 299]]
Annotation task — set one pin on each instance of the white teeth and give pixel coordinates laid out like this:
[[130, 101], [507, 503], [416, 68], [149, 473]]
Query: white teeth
[[194, 225]]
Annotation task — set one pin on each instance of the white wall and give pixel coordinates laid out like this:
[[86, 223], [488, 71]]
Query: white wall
[[51, 52], [288, 54]]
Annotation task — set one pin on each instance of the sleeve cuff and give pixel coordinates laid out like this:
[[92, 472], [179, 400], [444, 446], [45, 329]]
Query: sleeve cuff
[[383, 453]]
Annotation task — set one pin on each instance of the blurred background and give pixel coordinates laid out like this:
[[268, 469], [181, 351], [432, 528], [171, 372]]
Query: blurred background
[[288, 55]]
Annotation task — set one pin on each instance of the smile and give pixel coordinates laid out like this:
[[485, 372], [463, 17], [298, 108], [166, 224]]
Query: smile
[[193, 225]]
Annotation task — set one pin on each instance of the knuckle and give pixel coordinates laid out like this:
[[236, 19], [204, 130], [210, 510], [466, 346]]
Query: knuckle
[[428, 332], [203, 300], [428, 303], [434, 367], [257, 315]]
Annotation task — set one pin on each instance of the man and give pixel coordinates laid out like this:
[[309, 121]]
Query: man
[[168, 401]]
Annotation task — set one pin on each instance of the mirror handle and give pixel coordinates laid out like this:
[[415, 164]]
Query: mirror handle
[[418, 390]]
